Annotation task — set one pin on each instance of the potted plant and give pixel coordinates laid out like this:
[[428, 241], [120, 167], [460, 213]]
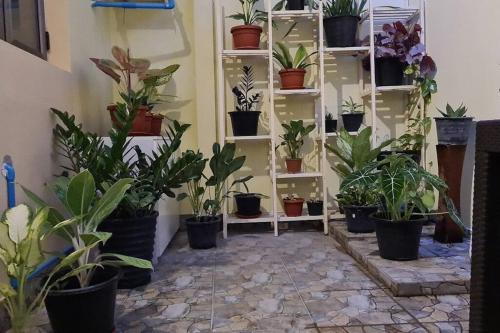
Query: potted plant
[[352, 115], [207, 199], [293, 70], [89, 279], [413, 141], [403, 187], [293, 206], [330, 123], [315, 207], [140, 101], [245, 120], [453, 127], [293, 140], [294, 5], [247, 36], [248, 204], [133, 222], [341, 21], [359, 203]]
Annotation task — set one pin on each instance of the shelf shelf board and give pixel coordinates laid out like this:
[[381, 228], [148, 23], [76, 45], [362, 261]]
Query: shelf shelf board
[[265, 217], [295, 14], [283, 218], [245, 53], [336, 216], [347, 51], [249, 138], [306, 91], [299, 175], [378, 90], [387, 14]]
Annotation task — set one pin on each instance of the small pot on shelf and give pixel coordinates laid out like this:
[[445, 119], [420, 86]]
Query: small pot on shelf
[[331, 125], [292, 78], [141, 125], [246, 37], [315, 207], [248, 205], [358, 218], [352, 121], [202, 233], [341, 31], [245, 123], [293, 206], [293, 165], [295, 4], [389, 71], [453, 131]]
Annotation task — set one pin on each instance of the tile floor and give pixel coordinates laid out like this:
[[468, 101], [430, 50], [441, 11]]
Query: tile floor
[[298, 282]]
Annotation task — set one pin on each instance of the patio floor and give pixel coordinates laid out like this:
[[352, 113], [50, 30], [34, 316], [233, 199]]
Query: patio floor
[[298, 282]]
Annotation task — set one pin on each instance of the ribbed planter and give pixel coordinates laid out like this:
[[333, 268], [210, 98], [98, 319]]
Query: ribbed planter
[[352, 121], [245, 123], [248, 205], [453, 131], [341, 31], [85, 310], [388, 72], [202, 234], [133, 237]]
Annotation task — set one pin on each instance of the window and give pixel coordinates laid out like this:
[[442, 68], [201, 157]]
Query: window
[[22, 24]]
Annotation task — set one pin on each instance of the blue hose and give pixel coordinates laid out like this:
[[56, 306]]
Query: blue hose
[[10, 176], [168, 4]]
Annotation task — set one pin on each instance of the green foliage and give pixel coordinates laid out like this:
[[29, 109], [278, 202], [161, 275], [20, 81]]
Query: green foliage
[[354, 151], [459, 112], [416, 134], [349, 106], [153, 176], [87, 211], [284, 58], [403, 186], [207, 199], [246, 101], [293, 138], [332, 8], [249, 15], [360, 195]]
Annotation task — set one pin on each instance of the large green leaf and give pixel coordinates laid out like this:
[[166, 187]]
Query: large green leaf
[[393, 186], [364, 177], [361, 148], [17, 219], [70, 259], [92, 239], [6, 243], [30, 248], [81, 193], [126, 260]]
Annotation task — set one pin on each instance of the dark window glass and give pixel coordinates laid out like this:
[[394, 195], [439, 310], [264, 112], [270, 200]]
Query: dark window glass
[[24, 25]]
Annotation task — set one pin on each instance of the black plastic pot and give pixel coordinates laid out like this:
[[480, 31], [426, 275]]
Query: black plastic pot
[[245, 123], [352, 121], [247, 205], [295, 4], [315, 208], [331, 125], [453, 131], [341, 31], [84, 310], [398, 240], [415, 155], [388, 72], [133, 237], [203, 234], [359, 218]]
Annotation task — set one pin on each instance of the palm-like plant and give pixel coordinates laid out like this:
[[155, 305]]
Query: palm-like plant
[[293, 138], [349, 106], [245, 100], [284, 58], [355, 151], [332, 8], [249, 15]]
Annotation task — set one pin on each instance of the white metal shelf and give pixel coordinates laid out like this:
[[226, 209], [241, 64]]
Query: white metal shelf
[[306, 91], [283, 218], [347, 51], [295, 15], [245, 53], [299, 175], [265, 217], [393, 14], [378, 90], [248, 138]]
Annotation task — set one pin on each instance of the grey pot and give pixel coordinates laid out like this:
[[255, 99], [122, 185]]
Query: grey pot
[[453, 131]]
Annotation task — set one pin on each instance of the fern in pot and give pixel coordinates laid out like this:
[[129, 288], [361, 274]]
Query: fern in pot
[[342, 18], [245, 120], [247, 35], [404, 188], [293, 140], [207, 194], [293, 68]]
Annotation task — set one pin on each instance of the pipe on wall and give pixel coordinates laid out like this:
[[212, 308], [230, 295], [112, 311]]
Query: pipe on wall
[[168, 4]]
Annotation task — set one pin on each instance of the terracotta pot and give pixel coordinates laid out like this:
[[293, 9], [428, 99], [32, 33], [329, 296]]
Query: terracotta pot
[[156, 122], [293, 165], [292, 78], [142, 122], [293, 207], [246, 37]]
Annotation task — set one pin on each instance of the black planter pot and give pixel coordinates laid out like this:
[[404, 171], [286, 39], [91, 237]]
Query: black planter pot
[[84, 310], [358, 218], [398, 240], [245, 123], [331, 125], [133, 237], [248, 205], [295, 4], [388, 72], [415, 155], [203, 234], [453, 131], [315, 208], [352, 121], [341, 31]]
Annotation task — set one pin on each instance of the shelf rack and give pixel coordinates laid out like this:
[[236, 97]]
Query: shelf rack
[[375, 19]]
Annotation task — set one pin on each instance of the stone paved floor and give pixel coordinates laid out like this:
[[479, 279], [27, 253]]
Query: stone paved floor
[[298, 282]]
